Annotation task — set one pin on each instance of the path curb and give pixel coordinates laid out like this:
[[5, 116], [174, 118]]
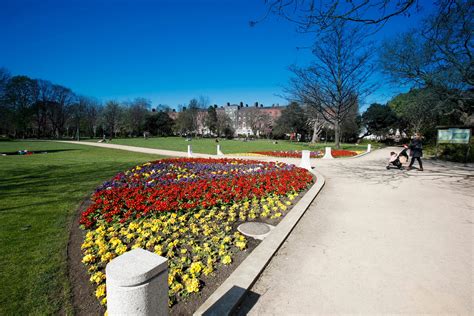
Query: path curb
[[230, 293]]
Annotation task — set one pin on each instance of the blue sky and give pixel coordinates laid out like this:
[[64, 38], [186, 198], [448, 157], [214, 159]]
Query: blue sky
[[166, 51]]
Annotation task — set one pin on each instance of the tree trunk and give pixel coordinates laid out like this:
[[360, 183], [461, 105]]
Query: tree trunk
[[316, 132], [337, 135]]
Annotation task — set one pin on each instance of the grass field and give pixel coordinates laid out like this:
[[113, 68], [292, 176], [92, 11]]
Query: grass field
[[208, 145], [38, 195]]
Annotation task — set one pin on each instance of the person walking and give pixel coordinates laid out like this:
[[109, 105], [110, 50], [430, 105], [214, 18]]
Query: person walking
[[416, 151]]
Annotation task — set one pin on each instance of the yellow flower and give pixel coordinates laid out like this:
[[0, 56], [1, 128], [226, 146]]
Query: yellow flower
[[170, 278], [107, 257], [88, 258], [100, 291], [196, 267], [121, 249], [241, 245], [208, 270], [192, 285], [226, 259], [103, 302], [97, 277], [159, 250], [133, 226], [176, 287], [87, 244]]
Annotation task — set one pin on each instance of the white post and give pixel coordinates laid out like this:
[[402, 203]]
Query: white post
[[190, 151], [137, 284], [305, 160], [219, 152], [327, 154], [369, 148]]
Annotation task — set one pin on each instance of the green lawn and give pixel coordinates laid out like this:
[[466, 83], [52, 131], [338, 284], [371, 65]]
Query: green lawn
[[208, 145], [38, 195]]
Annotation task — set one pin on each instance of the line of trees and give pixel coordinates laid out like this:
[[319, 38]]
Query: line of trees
[[37, 108], [435, 60]]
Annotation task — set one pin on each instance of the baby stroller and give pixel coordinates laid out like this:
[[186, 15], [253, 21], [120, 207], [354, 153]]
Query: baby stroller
[[397, 160]]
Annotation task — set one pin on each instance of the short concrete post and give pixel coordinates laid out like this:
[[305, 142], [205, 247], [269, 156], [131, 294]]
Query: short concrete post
[[369, 148], [219, 152], [190, 151], [137, 284], [305, 160], [327, 154]]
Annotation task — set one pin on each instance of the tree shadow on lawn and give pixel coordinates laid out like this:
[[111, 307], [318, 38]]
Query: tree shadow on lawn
[[35, 152], [54, 180]]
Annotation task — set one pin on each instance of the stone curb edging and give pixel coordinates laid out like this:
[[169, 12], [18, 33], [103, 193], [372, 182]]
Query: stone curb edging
[[230, 293]]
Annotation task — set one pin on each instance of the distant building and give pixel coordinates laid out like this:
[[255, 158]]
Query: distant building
[[245, 119]]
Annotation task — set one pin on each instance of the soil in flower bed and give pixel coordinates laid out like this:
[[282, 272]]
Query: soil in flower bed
[[186, 210]]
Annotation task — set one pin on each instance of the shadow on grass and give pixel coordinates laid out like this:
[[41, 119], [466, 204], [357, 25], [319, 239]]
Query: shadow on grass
[[15, 153]]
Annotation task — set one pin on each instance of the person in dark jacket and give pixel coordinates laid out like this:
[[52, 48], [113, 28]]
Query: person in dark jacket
[[416, 151]]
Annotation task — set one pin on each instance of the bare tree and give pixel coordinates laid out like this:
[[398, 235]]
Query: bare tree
[[203, 102], [257, 120], [136, 115], [92, 113], [19, 100], [112, 118], [316, 123], [6, 113], [339, 75], [223, 123], [312, 15], [58, 109], [438, 56]]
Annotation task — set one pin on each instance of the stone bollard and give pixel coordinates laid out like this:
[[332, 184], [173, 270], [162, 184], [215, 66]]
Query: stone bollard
[[190, 151], [137, 284], [219, 152], [327, 154], [305, 160], [369, 148]]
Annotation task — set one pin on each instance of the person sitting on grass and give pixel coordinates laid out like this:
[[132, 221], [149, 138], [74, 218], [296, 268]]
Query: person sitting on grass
[[416, 151]]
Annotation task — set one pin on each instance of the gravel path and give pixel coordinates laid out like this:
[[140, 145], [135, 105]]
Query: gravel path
[[377, 241]]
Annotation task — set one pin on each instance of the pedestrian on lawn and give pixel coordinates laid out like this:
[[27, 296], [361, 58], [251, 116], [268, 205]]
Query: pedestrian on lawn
[[416, 151]]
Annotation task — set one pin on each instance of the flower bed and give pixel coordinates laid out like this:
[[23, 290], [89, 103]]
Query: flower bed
[[336, 153], [186, 210]]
